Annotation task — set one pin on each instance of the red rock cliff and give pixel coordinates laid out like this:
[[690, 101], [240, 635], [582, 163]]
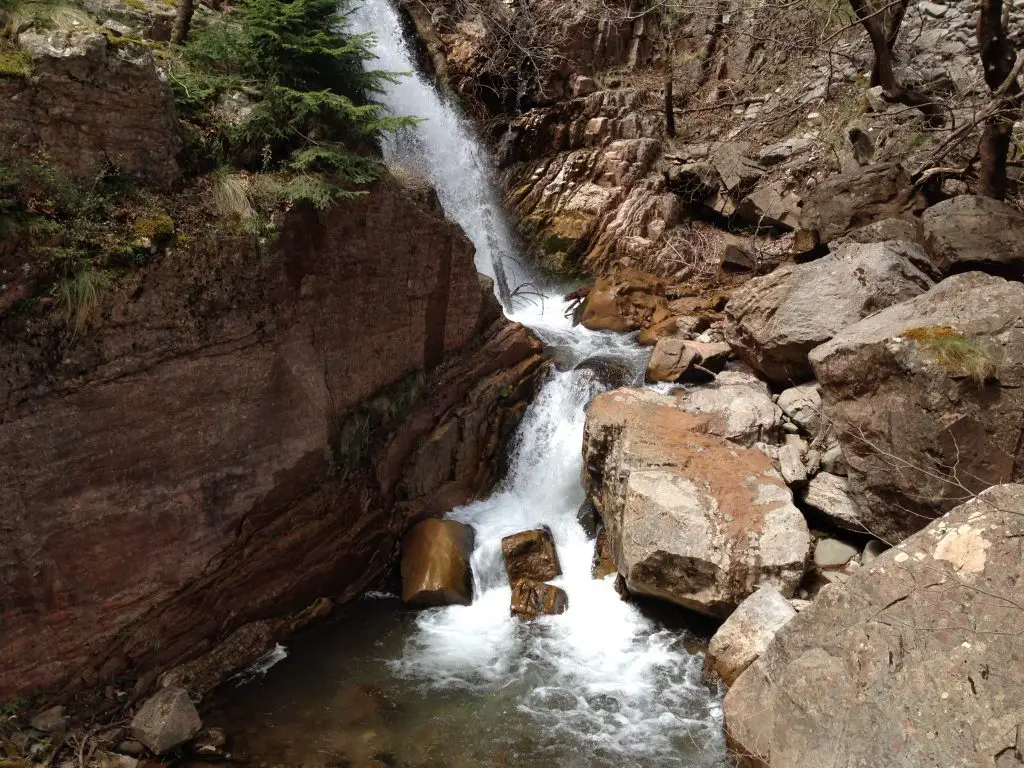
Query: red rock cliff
[[242, 434]]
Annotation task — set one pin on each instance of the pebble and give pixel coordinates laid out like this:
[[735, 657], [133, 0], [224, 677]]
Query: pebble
[[832, 553]]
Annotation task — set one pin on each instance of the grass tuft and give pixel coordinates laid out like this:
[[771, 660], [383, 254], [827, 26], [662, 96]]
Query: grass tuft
[[955, 352], [80, 293]]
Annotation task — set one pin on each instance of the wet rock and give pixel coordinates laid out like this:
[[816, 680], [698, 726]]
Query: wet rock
[[972, 232], [745, 635], [802, 405], [211, 744], [830, 495], [945, 405], [50, 720], [167, 720], [603, 564], [737, 406], [693, 518], [535, 598], [625, 301], [587, 517], [676, 327], [436, 566], [859, 197], [776, 320], [832, 553], [610, 371], [531, 555], [873, 670]]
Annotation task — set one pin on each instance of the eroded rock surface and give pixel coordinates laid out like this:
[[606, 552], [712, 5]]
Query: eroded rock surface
[[900, 665], [691, 517]]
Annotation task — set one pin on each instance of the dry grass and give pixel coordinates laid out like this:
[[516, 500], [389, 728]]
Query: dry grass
[[955, 352], [690, 252], [232, 197]]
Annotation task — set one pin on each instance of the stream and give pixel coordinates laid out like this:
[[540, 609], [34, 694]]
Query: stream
[[604, 684]]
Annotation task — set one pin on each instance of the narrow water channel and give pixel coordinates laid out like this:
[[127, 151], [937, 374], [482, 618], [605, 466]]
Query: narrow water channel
[[601, 685]]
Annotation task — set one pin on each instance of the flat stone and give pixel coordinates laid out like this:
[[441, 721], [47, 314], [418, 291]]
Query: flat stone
[[832, 553]]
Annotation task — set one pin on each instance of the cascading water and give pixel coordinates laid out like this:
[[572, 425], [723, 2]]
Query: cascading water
[[600, 685]]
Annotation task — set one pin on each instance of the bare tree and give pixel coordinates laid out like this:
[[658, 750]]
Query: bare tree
[[183, 21], [997, 60]]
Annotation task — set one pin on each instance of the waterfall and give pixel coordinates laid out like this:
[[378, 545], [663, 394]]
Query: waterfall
[[601, 684]]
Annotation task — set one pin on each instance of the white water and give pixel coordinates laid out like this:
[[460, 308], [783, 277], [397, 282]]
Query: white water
[[601, 678]]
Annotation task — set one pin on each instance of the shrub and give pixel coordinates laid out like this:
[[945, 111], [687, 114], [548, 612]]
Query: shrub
[[311, 117], [159, 227]]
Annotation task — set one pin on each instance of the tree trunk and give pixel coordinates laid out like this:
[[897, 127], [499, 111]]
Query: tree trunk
[[997, 60], [183, 22], [670, 114]]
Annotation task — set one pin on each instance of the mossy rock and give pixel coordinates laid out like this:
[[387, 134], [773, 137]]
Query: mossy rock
[[159, 228]]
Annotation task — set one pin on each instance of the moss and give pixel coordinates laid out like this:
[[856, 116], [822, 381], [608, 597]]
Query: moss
[[15, 64], [138, 5], [159, 228], [954, 352]]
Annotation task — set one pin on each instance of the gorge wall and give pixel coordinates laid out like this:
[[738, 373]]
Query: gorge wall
[[243, 432]]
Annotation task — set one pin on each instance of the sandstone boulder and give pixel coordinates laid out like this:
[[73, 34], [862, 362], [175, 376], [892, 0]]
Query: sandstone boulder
[[675, 327], [737, 407], [777, 319], [625, 301], [859, 197], [530, 555], [689, 361], [436, 566], [167, 720], [743, 637], [904, 663], [535, 598], [973, 232], [927, 398], [692, 518]]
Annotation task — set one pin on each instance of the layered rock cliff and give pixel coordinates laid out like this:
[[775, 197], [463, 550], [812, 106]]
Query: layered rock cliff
[[243, 432]]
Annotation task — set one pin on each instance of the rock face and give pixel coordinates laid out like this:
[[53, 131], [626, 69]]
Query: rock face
[[928, 426], [530, 555], [535, 598], [859, 197], [322, 397], [112, 106], [971, 232], [743, 637], [898, 666], [436, 566], [777, 319], [691, 517], [167, 720]]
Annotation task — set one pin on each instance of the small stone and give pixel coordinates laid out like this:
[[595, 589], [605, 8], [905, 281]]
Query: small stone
[[535, 598], [799, 604], [167, 720], [50, 720], [803, 405], [131, 747], [832, 553]]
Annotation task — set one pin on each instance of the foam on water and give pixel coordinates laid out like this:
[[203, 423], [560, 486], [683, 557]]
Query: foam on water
[[601, 675]]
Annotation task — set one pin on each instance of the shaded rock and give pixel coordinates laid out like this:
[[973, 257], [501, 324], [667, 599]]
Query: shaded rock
[[610, 371], [676, 359], [745, 635], [737, 406], [693, 182], [167, 720], [873, 670], [945, 405], [777, 319], [859, 197], [587, 517], [692, 518], [771, 207], [736, 255], [210, 744], [802, 404], [676, 327], [829, 495], [872, 550], [832, 460], [625, 301], [603, 564], [530, 555], [436, 566], [784, 150], [906, 228], [737, 171], [534, 598], [973, 232], [832, 553], [50, 720]]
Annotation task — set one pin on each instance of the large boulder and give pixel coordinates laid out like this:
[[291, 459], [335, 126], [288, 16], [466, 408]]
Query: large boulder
[[777, 319], [743, 637], [913, 661], [738, 407], [690, 361], [167, 720], [436, 566], [927, 400], [859, 197], [972, 232], [530, 555], [692, 518], [624, 301]]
